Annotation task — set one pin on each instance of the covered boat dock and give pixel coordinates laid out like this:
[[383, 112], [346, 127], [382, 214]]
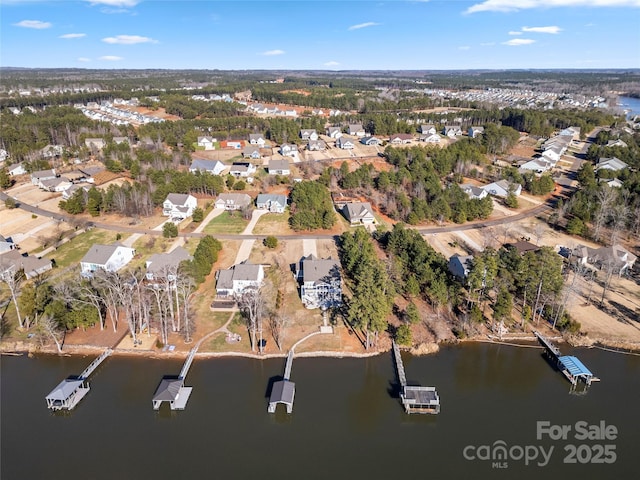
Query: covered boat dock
[[173, 391], [67, 394], [574, 369]]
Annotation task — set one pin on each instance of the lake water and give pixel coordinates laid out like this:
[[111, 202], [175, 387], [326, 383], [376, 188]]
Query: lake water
[[346, 421], [632, 104]]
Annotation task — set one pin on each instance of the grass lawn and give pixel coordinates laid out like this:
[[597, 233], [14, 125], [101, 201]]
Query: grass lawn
[[226, 223], [273, 224], [72, 252]]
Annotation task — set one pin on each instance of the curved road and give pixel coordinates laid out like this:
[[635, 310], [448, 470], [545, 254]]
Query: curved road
[[532, 212]]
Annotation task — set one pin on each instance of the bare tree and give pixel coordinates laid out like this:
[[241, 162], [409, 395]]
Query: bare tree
[[539, 231], [185, 286], [48, 327], [278, 321], [14, 280], [252, 305], [606, 198], [109, 286]]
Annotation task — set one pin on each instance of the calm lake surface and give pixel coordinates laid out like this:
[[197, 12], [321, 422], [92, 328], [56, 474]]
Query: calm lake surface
[[632, 104], [346, 423]]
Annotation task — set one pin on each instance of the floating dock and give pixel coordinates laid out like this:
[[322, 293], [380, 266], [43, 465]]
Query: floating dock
[[283, 391], [570, 366], [415, 399], [71, 390], [172, 389]]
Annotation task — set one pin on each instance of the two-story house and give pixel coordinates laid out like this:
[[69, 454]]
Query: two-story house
[[320, 282], [179, 205], [232, 201], [233, 281], [275, 203], [110, 258]]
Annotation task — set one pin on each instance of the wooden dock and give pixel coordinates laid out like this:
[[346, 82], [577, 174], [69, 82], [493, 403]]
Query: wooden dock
[[283, 391], [415, 399], [71, 390], [172, 389], [571, 367]]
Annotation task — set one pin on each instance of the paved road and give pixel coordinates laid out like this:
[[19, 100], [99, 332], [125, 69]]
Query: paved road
[[532, 212]]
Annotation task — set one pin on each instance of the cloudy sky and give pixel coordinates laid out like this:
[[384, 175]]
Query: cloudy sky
[[333, 35]]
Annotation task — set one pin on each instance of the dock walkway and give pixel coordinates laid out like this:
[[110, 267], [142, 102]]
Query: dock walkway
[[415, 399], [570, 366]]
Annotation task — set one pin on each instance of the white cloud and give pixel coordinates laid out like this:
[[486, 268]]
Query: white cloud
[[37, 24], [331, 64], [73, 35], [270, 53], [115, 3], [464, 47], [512, 32], [84, 59], [128, 40], [511, 5], [516, 42], [111, 58], [363, 25], [551, 29], [487, 44]]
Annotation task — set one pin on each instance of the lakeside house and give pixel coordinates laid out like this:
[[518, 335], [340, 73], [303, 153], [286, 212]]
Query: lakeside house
[[110, 258], [164, 265], [320, 282], [233, 281]]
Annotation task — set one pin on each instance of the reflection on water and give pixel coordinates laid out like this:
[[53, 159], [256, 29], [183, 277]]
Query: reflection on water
[[347, 421]]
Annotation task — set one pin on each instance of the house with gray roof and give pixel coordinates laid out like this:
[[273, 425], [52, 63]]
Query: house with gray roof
[[616, 256], [460, 266], [214, 167], [179, 205], [233, 201], [233, 281], [308, 134], [474, 192], [165, 265], [257, 139], [613, 163], [58, 184], [110, 258], [370, 141], [344, 143], [428, 129], [400, 138], [12, 261], [356, 129], [320, 282], [17, 169], [275, 203], [206, 142], [242, 169], [334, 132], [316, 145], [358, 213], [279, 166], [289, 149], [430, 138], [475, 131], [452, 130], [251, 151], [40, 175], [6, 244], [502, 188]]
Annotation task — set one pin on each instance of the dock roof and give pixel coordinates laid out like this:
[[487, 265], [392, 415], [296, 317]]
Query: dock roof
[[283, 392], [64, 389], [168, 390], [575, 367]]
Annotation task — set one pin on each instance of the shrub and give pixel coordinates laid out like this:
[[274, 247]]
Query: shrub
[[403, 335], [10, 203], [170, 230], [198, 215], [271, 242]]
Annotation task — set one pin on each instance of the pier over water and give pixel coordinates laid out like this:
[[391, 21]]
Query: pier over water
[[570, 366], [415, 399]]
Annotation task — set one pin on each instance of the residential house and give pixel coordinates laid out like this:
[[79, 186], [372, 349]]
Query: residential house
[[370, 141], [110, 258], [13, 261], [317, 111], [97, 143], [473, 192], [119, 140], [289, 149], [400, 138], [233, 201], [6, 244], [616, 143], [460, 266], [344, 143], [358, 213], [251, 151], [51, 151], [613, 164], [91, 172], [68, 193], [316, 145], [335, 113], [428, 129], [320, 282], [179, 206], [430, 138], [3, 155], [279, 167], [58, 184], [537, 165], [308, 134], [452, 131], [206, 142], [275, 203], [475, 131], [231, 144], [502, 188], [356, 129], [17, 169], [164, 265], [553, 154], [39, 176], [573, 132], [522, 246], [616, 257], [242, 169], [214, 167], [612, 183], [233, 281], [257, 139], [334, 132]]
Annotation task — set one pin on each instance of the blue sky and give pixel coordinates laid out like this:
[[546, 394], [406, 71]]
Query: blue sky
[[332, 35]]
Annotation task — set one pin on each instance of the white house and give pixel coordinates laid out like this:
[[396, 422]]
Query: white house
[[400, 138], [320, 282], [452, 130], [275, 203], [428, 129], [58, 184], [242, 169], [161, 265], [17, 169], [430, 138], [370, 141], [334, 132], [233, 201], [214, 167], [279, 167], [475, 131], [233, 281], [251, 151], [501, 188], [308, 134], [537, 165], [51, 151], [460, 266], [316, 145], [357, 130], [359, 213], [344, 143], [179, 205], [208, 143], [6, 244], [257, 139], [477, 193], [553, 154], [106, 257], [289, 149], [39, 176]]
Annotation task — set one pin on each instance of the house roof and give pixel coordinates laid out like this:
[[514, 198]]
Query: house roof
[[272, 198], [315, 269], [234, 198], [472, 190], [522, 246], [256, 136], [246, 272], [357, 210], [178, 198], [30, 265], [158, 262], [43, 173], [613, 163], [100, 254], [208, 165], [251, 149], [278, 164]]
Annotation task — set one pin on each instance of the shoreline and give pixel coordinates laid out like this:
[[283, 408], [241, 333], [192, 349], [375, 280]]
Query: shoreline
[[615, 346]]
